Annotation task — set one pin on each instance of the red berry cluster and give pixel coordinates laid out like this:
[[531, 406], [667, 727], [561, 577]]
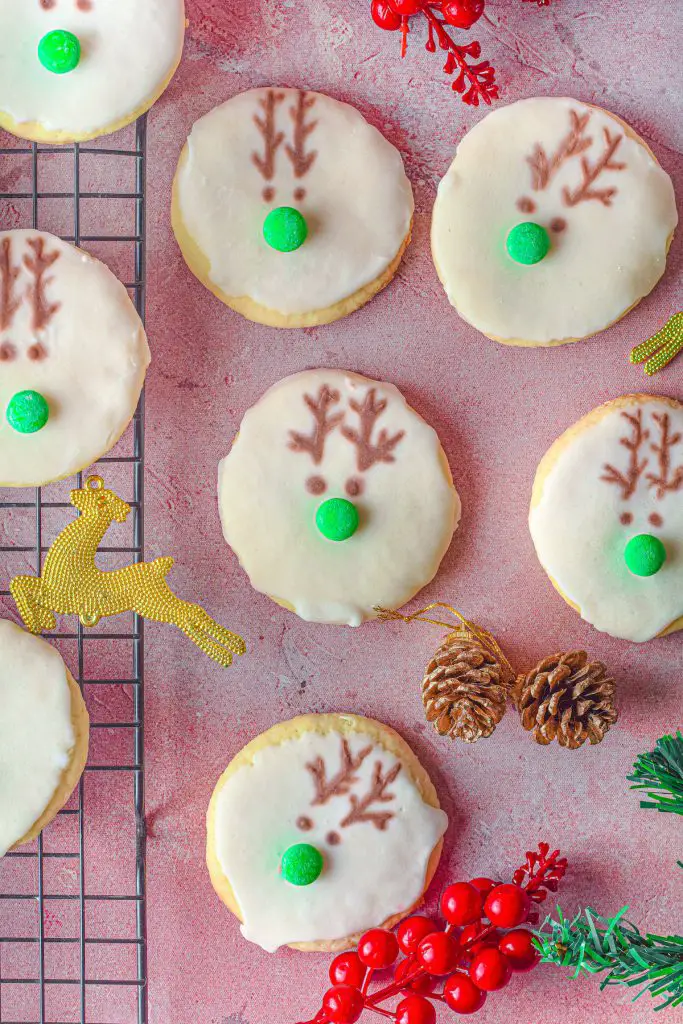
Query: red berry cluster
[[482, 944], [474, 82]]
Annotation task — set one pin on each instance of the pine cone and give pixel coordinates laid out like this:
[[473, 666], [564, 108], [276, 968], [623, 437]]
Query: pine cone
[[567, 698], [465, 689]]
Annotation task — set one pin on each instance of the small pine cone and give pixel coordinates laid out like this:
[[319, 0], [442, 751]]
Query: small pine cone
[[567, 698], [465, 690]]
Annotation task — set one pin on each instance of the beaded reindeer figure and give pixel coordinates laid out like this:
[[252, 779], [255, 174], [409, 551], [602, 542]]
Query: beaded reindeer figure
[[72, 584]]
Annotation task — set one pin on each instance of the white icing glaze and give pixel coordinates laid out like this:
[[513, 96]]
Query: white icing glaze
[[92, 367], [368, 877], [36, 732], [576, 522], [129, 49], [408, 507], [358, 202], [606, 258]]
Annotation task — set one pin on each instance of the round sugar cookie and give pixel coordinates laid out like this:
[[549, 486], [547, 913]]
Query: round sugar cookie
[[290, 207], [336, 497], [73, 356], [552, 222], [320, 828], [71, 70], [607, 516], [43, 735]]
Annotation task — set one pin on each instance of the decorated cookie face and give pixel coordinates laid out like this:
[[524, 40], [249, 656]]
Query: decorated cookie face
[[337, 831], [558, 210], [73, 355], [290, 206], [73, 69], [607, 516], [43, 732], [322, 497]]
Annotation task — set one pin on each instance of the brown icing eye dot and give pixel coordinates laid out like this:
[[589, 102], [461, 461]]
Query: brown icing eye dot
[[304, 824], [526, 205], [268, 194], [36, 353], [316, 485], [333, 838], [84, 5], [300, 194], [625, 518], [354, 487], [656, 519], [47, 5], [558, 224], [7, 352]]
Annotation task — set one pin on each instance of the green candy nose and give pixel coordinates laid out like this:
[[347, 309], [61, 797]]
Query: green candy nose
[[27, 412], [285, 229], [528, 243], [301, 864], [59, 51], [644, 555], [337, 519]]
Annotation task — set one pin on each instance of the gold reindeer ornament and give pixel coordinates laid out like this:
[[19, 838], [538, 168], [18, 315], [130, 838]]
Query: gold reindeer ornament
[[72, 584]]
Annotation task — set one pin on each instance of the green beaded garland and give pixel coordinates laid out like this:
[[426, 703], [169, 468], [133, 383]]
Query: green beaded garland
[[528, 243], [337, 519], [27, 412], [644, 555], [285, 229], [59, 51], [301, 864]]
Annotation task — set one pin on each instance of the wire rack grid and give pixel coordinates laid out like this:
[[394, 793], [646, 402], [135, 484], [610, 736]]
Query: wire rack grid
[[72, 904]]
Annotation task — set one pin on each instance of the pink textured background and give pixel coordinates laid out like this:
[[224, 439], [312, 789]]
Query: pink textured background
[[496, 410]]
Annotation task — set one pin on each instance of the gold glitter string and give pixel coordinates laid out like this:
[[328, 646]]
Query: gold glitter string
[[662, 347], [466, 631], [72, 584]]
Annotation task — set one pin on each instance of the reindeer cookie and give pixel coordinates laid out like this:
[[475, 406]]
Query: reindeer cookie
[[43, 735], [290, 207], [553, 221], [73, 356], [320, 828], [71, 70], [337, 497], [607, 516]]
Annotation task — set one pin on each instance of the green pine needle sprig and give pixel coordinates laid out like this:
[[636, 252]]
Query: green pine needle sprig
[[593, 944], [661, 774]]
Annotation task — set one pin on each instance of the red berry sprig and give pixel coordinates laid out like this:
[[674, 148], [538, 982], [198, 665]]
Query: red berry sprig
[[481, 946], [474, 82]]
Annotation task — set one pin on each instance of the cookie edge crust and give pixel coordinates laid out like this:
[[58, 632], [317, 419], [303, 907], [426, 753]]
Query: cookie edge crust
[[199, 265], [34, 131], [555, 342], [73, 771], [345, 725], [554, 453]]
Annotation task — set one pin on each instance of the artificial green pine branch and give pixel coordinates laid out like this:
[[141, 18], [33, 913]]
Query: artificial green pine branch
[[661, 774], [594, 944]]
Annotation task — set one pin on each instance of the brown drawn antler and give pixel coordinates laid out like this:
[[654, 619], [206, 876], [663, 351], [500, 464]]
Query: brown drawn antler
[[628, 481], [368, 453], [9, 302], [339, 784], [360, 808], [272, 139], [301, 160], [665, 481], [38, 265], [314, 445], [591, 173], [575, 142]]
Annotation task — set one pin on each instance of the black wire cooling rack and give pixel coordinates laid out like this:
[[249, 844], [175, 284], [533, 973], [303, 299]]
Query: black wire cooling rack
[[72, 904]]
